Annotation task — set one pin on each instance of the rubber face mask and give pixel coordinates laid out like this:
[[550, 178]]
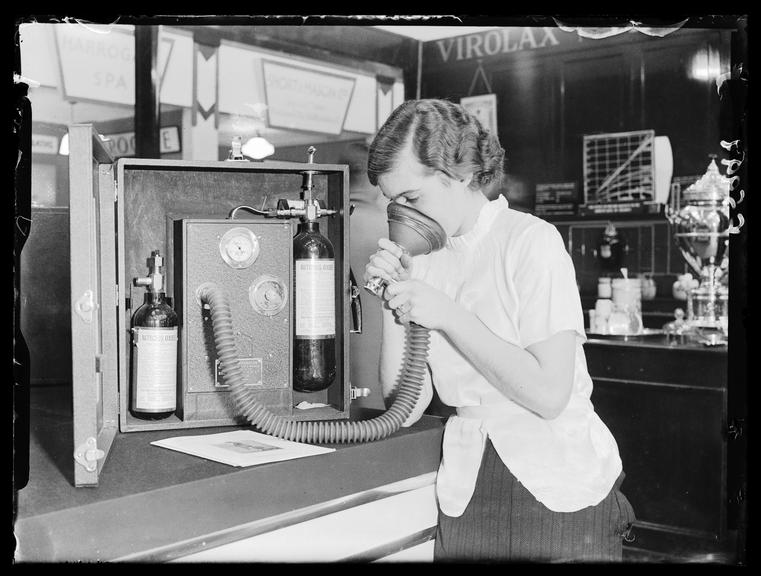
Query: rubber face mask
[[414, 232]]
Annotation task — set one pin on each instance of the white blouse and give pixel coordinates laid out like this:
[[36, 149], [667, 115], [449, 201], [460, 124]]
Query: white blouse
[[513, 272]]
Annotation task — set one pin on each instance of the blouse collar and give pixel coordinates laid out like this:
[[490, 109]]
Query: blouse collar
[[483, 223]]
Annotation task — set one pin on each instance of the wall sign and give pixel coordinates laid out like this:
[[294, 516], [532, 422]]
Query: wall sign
[[302, 99], [495, 43], [484, 107], [44, 144], [175, 67], [556, 198], [122, 144], [98, 64]]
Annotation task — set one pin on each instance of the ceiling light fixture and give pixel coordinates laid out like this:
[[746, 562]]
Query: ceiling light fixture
[[258, 148]]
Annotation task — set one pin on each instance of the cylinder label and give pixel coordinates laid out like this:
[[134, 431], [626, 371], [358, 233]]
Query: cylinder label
[[315, 298], [155, 369]]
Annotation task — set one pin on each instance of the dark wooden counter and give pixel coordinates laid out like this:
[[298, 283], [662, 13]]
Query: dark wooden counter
[[666, 405], [151, 498]]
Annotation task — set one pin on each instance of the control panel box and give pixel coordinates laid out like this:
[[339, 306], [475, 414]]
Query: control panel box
[[250, 263]]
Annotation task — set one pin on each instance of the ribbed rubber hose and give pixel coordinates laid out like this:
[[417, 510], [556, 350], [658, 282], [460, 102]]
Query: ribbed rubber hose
[[322, 431]]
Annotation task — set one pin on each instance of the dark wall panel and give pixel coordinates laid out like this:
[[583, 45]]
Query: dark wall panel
[[525, 122], [45, 296], [690, 120], [595, 100]]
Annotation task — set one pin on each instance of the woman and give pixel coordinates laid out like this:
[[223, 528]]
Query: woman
[[528, 470]]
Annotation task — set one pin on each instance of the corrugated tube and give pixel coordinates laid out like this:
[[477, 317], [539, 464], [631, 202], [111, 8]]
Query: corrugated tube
[[329, 432]]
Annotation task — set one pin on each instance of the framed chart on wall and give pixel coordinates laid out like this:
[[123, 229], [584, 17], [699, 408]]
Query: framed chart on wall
[[484, 106]]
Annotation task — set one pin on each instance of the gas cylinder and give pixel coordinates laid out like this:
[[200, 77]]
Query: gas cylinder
[[314, 354], [314, 304], [153, 390]]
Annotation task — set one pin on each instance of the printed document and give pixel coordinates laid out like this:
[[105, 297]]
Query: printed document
[[241, 447]]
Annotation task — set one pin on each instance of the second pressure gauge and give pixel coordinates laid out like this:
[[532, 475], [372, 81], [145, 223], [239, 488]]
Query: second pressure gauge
[[239, 247]]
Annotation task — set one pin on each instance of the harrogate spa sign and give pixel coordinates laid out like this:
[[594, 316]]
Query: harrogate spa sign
[[496, 42]]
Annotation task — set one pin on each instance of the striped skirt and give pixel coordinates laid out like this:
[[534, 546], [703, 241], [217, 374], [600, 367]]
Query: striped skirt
[[504, 522]]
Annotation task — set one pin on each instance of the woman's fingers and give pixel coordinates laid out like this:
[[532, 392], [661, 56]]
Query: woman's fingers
[[384, 260], [400, 302], [387, 263], [392, 260], [390, 250], [401, 307], [378, 272], [393, 247]]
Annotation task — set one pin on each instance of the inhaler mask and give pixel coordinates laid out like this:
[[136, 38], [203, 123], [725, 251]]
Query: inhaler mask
[[413, 232]]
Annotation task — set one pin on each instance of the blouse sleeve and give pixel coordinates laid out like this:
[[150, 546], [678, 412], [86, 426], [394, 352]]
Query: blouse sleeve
[[545, 281]]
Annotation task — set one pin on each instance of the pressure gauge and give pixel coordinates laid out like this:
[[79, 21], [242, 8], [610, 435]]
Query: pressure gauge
[[239, 247], [268, 295]]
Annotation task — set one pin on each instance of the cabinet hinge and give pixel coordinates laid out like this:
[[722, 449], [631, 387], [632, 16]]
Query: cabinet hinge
[[88, 454]]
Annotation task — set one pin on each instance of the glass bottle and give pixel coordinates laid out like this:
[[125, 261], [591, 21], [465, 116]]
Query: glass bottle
[[154, 350], [314, 355]]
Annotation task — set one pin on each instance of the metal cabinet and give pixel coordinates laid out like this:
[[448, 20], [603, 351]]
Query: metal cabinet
[[123, 210]]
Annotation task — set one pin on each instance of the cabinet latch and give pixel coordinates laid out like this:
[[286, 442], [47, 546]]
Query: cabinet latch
[[359, 392], [88, 454], [356, 305], [735, 428]]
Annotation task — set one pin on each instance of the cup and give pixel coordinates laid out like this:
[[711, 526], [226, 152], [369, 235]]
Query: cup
[[627, 300], [603, 308], [602, 311]]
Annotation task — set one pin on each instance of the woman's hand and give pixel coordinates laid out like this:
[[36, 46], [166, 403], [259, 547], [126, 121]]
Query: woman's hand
[[418, 302], [389, 262]]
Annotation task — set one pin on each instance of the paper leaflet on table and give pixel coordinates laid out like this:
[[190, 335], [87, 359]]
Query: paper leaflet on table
[[241, 447]]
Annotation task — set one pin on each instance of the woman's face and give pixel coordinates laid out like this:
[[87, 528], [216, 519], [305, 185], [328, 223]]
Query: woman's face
[[433, 193]]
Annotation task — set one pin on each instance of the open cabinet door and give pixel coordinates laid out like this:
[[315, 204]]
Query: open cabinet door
[[94, 361]]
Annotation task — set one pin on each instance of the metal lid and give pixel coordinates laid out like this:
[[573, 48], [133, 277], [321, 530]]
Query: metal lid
[[712, 186]]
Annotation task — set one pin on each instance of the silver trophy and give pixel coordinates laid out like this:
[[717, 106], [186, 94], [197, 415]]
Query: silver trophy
[[701, 223]]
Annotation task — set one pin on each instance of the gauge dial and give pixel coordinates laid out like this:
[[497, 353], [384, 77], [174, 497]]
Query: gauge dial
[[239, 247], [268, 295]]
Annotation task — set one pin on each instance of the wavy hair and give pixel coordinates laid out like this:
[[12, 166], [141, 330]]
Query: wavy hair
[[445, 137]]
